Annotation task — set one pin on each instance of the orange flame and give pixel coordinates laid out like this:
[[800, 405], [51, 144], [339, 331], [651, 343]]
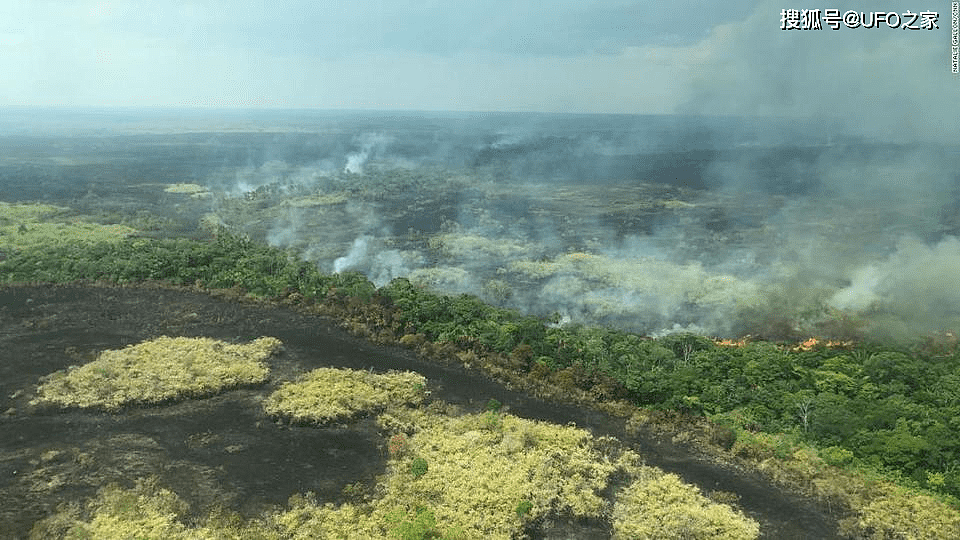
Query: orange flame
[[813, 342], [732, 343]]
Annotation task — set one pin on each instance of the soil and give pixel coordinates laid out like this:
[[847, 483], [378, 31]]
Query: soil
[[224, 449]]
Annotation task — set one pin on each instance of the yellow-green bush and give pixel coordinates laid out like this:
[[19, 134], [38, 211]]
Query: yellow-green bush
[[15, 214], [26, 226], [480, 470], [662, 506], [878, 508], [158, 370], [580, 273], [308, 520], [194, 190], [462, 245], [477, 477], [145, 512], [902, 515], [328, 394]]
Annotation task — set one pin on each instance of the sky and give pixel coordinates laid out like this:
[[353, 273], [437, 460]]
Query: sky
[[578, 56]]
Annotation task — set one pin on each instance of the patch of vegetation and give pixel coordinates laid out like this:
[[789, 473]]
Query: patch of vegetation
[[159, 370], [476, 476], [33, 226], [398, 445], [324, 199], [419, 524], [418, 467], [880, 507], [226, 262], [329, 394], [15, 214], [464, 319], [146, 511], [636, 277], [475, 480], [461, 245], [194, 190], [661, 506]]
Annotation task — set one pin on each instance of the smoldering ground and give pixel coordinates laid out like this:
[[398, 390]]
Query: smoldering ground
[[808, 187], [225, 450], [650, 223], [806, 232]]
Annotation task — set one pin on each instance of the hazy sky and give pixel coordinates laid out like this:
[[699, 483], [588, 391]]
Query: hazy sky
[[564, 56]]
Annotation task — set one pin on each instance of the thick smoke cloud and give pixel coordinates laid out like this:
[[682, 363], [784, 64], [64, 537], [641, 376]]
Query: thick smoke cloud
[[809, 181], [882, 83], [666, 224], [869, 220], [914, 287]]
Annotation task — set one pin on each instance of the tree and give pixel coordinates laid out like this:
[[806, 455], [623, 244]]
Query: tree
[[803, 406]]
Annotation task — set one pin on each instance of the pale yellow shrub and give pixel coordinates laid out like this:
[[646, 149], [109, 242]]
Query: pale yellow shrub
[[659, 506], [460, 245], [327, 394], [11, 213], [879, 509], [486, 476], [189, 189], [440, 276], [481, 466], [158, 370], [320, 199], [901, 515], [308, 520], [24, 226], [608, 279], [144, 512]]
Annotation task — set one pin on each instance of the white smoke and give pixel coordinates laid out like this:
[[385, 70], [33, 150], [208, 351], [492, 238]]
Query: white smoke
[[862, 291], [251, 178], [357, 253], [380, 265], [390, 264], [371, 145], [355, 163], [243, 180], [784, 237], [287, 233], [509, 140], [752, 67], [916, 283]]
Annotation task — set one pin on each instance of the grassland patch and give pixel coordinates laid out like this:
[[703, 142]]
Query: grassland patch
[[328, 394], [662, 506], [29, 226], [158, 370]]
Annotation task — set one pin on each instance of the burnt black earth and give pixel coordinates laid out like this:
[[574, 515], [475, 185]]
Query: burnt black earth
[[224, 449]]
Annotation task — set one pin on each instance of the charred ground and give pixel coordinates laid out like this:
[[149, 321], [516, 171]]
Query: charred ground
[[224, 449]]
